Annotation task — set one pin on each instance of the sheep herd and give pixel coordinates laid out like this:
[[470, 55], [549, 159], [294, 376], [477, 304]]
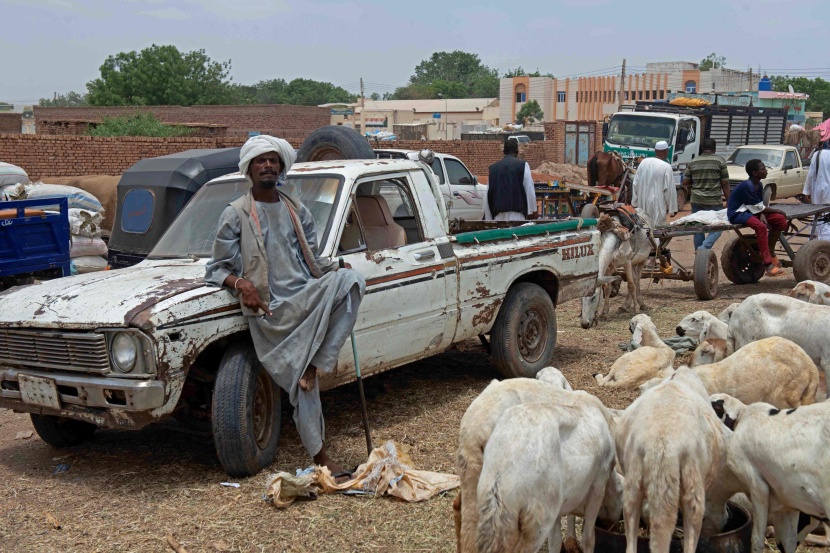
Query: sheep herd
[[741, 423]]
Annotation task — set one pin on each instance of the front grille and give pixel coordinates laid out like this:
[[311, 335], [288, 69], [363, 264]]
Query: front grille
[[54, 350]]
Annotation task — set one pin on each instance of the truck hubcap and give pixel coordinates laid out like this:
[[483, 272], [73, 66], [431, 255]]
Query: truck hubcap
[[532, 335], [263, 411]]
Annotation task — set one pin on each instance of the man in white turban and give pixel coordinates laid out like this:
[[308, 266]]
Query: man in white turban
[[652, 191], [300, 308]]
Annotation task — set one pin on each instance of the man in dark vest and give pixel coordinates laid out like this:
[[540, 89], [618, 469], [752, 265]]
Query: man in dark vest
[[510, 192]]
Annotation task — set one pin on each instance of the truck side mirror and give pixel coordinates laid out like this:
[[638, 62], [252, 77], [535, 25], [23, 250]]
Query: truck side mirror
[[475, 180], [682, 137], [605, 130]]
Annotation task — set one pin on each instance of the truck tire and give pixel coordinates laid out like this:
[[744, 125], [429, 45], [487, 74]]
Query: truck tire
[[524, 334], [334, 142], [61, 432], [706, 274], [812, 262], [736, 262], [245, 413]]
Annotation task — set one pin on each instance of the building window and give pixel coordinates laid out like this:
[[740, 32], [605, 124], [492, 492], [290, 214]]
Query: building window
[[662, 94], [626, 95], [521, 94], [640, 95], [560, 96], [648, 95], [691, 87]]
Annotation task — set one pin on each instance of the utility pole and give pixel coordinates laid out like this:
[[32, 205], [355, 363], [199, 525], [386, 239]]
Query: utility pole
[[362, 109], [622, 87], [750, 79]]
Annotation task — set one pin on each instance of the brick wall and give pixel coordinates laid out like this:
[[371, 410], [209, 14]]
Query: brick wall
[[555, 133], [42, 155], [11, 122], [278, 119]]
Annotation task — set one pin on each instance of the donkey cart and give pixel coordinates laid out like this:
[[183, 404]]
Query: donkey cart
[[741, 261]]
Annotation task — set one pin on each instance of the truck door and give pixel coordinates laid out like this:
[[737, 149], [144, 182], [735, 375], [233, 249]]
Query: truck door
[[792, 180], [466, 201], [404, 310]]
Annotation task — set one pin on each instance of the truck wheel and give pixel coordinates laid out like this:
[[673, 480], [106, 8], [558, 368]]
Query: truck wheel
[[737, 264], [812, 261], [334, 142], [589, 211], [246, 413], [706, 274], [524, 334], [61, 432]]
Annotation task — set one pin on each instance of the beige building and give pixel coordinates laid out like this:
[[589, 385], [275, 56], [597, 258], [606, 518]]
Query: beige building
[[594, 98], [441, 119]]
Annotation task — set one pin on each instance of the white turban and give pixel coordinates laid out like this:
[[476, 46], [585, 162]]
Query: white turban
[[260, 144]]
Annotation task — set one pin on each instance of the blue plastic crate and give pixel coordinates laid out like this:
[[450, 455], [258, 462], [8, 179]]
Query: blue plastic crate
[[35, 242]]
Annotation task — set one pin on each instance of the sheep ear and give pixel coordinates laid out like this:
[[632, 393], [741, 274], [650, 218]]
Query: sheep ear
[[638, 335], [704, 331]]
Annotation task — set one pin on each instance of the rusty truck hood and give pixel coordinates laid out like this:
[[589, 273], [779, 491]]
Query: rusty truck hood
[[102, 299]]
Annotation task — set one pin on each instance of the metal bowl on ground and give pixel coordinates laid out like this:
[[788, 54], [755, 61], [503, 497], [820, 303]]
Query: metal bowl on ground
[[735, 538]]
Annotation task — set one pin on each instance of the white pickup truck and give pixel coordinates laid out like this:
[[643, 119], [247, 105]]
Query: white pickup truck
[[125, 348], [786, 173]]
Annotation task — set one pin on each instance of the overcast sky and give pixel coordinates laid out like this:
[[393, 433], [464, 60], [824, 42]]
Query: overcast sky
[[58, 45]]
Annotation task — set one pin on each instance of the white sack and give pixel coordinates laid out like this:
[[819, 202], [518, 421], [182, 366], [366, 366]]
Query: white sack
[[83, 246]]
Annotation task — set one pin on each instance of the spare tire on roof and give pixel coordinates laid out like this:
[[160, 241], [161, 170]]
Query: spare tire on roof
[[334, 142]]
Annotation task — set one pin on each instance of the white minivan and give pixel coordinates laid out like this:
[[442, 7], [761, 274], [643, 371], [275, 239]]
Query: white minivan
[[462, 193]]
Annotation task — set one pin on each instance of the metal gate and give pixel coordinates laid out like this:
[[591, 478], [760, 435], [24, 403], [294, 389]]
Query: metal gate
[[579, 141]]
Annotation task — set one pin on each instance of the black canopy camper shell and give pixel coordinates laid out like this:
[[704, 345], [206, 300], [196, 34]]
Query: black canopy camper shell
[[153, 191]]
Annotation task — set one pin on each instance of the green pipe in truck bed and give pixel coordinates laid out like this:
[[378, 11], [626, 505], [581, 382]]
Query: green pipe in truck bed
[[476, 236]]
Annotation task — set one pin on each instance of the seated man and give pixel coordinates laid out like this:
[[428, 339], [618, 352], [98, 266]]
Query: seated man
[[746, 206]]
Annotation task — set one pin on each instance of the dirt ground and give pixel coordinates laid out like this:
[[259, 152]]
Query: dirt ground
[[127, 491]]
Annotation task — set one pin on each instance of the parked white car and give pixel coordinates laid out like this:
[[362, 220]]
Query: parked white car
[[462, 193], [785, 171]]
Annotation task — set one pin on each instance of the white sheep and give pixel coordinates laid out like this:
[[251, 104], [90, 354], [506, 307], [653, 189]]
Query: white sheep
[[726, 314], [702, 325], [543, 461], [671, 447], [710, 351], [476, 426], [779, 456], [764, 315], [554, 376], [653, 359], [811, 291], [774, 370]]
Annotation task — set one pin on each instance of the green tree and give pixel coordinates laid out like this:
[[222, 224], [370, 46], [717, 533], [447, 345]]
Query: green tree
[[520, 72], [818, 89], [375, 96], [69, 100], [307, 92], [140, 124], [160, 75], [530, 113], [712, 61], [452, 74]]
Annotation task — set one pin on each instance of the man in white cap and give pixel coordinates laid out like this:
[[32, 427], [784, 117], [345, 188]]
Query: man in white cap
[[300, 308], [652, 191]]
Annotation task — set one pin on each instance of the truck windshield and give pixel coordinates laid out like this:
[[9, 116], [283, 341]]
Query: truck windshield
[[194, 230], [638, 130], [770, 157]]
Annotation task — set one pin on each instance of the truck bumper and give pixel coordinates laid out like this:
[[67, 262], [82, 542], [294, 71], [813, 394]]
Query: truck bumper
[[76, 391]]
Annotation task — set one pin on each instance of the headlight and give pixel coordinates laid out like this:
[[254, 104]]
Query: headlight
[[124, 352]]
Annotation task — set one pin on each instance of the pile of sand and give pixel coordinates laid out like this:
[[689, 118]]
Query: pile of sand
[[568, 173]]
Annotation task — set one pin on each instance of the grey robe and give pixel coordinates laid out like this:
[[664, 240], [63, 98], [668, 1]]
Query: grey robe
[[311, 317]]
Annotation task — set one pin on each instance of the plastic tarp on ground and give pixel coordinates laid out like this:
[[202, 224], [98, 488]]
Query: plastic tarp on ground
[[388, 471]]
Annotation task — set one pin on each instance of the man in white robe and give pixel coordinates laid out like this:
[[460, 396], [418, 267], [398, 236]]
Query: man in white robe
[[817, 186], [300, 308], [653, 191]]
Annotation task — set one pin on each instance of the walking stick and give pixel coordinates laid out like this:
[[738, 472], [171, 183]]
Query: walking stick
[[365, 413]]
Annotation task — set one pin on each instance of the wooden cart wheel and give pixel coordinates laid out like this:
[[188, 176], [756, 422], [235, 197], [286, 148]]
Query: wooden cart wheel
[[589, 211], [812, 261], [737, 264], [706, 274]]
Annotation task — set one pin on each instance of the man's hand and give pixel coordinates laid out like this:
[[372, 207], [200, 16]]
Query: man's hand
[[250, 296]]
